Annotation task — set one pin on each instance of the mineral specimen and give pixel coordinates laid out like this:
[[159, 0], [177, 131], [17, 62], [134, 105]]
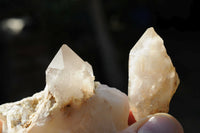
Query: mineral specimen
[[152, 77], [70, 103], [73, 103]]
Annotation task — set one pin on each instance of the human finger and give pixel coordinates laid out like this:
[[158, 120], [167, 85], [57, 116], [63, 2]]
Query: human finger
[[158, 123]]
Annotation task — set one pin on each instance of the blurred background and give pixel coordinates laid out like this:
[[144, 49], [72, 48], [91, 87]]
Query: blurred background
[[101, 32]]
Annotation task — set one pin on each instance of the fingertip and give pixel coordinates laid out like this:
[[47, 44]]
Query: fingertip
[[161, 123], [1, 126], [157, 123]]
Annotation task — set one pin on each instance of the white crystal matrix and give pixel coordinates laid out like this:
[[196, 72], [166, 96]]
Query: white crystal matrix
[[70, 103]]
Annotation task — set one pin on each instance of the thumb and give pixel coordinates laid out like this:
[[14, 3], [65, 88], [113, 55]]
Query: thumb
[[157, 123]]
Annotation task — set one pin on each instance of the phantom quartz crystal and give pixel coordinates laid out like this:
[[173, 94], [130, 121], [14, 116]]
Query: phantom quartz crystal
[[72, 102]]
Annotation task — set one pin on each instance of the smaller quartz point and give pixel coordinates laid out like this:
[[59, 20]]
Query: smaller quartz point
[[152, 77], [69, 78]]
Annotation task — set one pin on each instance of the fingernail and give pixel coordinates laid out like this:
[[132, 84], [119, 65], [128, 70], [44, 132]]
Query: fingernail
[[161, 123]]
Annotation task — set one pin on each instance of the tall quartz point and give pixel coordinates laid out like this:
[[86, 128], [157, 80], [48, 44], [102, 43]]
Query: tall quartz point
[[70, 103], [152, 77]]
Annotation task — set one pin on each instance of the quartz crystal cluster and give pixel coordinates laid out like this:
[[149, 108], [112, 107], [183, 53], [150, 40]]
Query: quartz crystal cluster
[[72, 102]]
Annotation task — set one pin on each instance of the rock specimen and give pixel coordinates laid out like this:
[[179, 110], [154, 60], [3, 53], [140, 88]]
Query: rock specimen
[[70, 103], [73, 103], [152, 77]]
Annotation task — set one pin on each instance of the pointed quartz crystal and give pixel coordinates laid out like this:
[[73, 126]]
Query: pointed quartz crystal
[[69, 78], [152, 77]]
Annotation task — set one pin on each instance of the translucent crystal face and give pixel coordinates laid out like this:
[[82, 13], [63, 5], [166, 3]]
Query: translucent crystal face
[[68, 77], [152, 76]]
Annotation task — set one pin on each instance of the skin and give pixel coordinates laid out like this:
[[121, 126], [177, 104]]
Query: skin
[[0, 126], [157, 123]]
